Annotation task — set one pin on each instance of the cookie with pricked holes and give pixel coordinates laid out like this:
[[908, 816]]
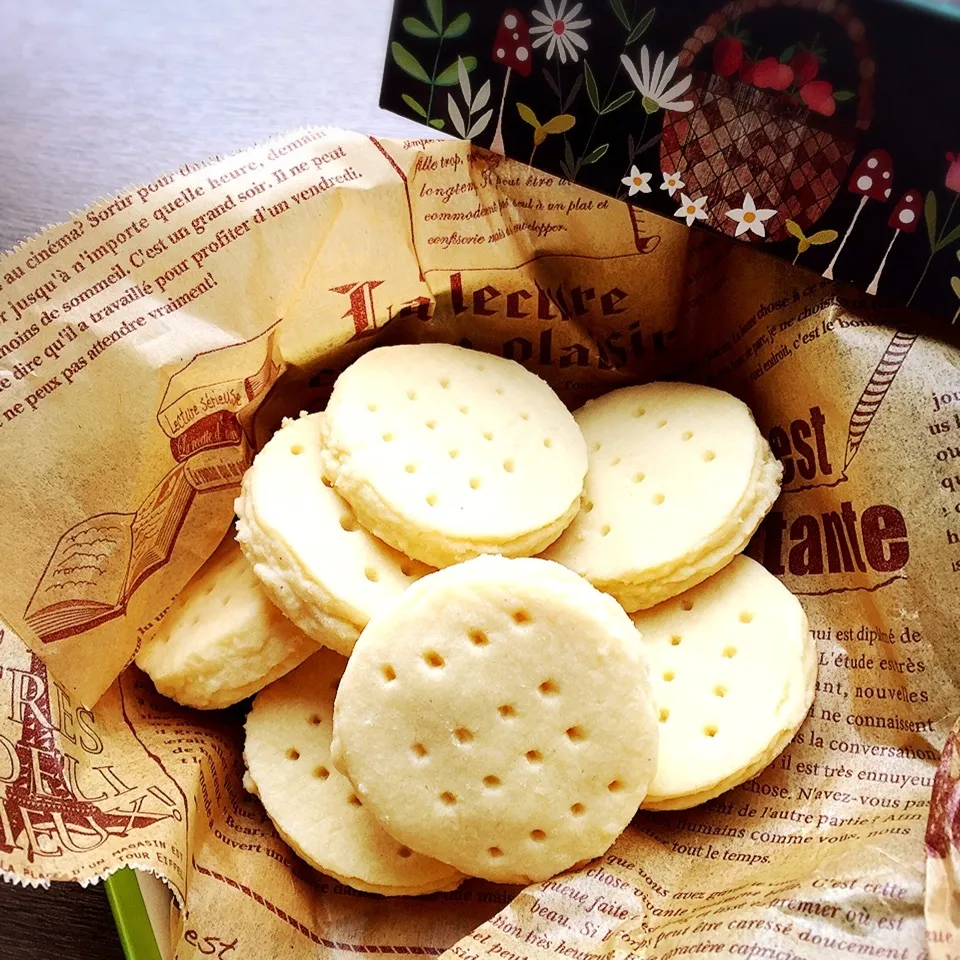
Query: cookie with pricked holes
[[314, 559], [733, 667], [679, 479], [447, 453], [223, 639], [312, 805], [499, 718]]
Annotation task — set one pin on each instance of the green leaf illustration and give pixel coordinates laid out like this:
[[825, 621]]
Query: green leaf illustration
[[950, 238], [617, 7], [641, 28], [417, 28], [560, 124], [551, 83], [955, 285], [451, 75], [456, 117], [407, 62], [528, 115], [482, 97], [574, 90], [480, 125], [930, 213], [457, 27], [568, 158], [435, 9], [594, 155], [619, 102], [841, 95], [823, 237], [787, 54], [437, 122], [464, 79], [591, 85], [413, 105], [794, 229]]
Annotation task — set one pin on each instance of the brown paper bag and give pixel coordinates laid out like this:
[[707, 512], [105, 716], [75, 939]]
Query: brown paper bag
[[152, 343]]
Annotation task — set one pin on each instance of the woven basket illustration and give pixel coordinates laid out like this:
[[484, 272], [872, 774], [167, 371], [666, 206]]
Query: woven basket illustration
[[739, 139]]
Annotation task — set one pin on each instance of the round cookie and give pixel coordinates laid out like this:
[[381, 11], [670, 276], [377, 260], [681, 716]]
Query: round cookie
[[313, 807], [680, 478], [733, 667], [499, 718], [316, 562], [447, 453], [222, 640]]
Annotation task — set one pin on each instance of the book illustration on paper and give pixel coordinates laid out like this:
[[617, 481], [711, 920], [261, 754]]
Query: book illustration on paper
[[99, 563]]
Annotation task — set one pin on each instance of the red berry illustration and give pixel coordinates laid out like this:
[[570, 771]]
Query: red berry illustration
[[766, 73], [747, 70], [783, 77], [805, 66], [727, 56], [818, 96]]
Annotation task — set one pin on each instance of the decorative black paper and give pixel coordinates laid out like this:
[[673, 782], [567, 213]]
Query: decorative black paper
[[826, 132]]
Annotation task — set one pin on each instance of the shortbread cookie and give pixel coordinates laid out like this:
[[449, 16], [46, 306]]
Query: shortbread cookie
[[680, 478], [447, 453], [314, 559], [313, 807], [733, 667], [499, 718], [222, 640]]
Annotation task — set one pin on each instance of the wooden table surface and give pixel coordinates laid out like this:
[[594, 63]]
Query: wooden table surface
[[98, 94]]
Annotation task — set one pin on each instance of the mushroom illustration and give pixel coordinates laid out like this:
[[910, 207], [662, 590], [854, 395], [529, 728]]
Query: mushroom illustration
[[904, 219], [511, 48], [872, 180]]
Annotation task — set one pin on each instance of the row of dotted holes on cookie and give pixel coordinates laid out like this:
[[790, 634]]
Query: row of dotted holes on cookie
[[349, 523], [639, 477], [729, 651], [506, 711], [492, 782], [323, 773], [454, 452], [448, 799]]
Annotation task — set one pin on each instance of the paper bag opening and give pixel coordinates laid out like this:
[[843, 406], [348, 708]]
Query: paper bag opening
[[151, 344]]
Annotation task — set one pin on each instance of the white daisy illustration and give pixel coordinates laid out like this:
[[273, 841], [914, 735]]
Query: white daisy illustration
[[558, 29], [637, 182], [671, 183], [748, 217], [692, 209], [655, 86]]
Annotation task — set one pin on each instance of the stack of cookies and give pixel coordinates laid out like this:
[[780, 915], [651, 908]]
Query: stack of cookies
[[546, 616], [679, 479]]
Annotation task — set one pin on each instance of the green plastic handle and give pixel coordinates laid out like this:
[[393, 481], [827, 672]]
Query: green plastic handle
[[130, 916]]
